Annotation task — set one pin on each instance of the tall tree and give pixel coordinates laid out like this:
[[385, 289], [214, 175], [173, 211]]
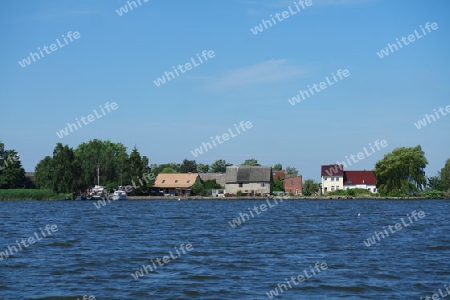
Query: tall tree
[[277, 167], [309, 187], [445, 175], [12, 175], [401, 171], [64, 169], [202, 168], [188, 166], [219, 166], [250, 162], [278, 185], [291, 172]]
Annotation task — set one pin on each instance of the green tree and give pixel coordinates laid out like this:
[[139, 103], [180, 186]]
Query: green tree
[[309, 187], [202, 168], [44, 174], [65, 170], [250, 162], [291, 172], [197, 189], [12, 175], [401, 172], [278, 185], [445, 175], [277, 167], [188, 166], [168, 171], [220, 166]]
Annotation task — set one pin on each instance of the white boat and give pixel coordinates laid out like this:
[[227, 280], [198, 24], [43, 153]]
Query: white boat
[[98, 193], [119, 195]]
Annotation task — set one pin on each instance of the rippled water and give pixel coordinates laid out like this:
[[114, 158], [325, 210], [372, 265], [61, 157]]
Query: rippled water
[[96, 251]]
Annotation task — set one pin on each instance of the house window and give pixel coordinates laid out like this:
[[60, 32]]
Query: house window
[[240, 184], [337, 187], [325, 178], [263, 184], [292, 182], [332, 187]]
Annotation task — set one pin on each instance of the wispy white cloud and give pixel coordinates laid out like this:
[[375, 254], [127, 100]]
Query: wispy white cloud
[[265, 72]]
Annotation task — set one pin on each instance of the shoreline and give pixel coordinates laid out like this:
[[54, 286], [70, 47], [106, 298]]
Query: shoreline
[[158, 198]]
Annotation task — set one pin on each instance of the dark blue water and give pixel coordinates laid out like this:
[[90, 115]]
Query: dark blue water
[[95, 251]]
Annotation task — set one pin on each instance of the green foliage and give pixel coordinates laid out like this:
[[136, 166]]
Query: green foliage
[[239, 193], [432, 194], [30, 194], [12, 175], [291, 172], [168, 171], [69, 170], [277, 167], [220, 166], [250, 162], [401, 171], [197, 189], [309, 187], [188, 166], [202, 168], [211, 185], [278, 185], [357, 193]]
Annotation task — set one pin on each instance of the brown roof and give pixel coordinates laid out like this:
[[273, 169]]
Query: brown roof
[[359, 177], [332, 170], [179, 180]]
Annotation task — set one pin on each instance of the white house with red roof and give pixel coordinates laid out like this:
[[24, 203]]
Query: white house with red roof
[[334, 178], [361, 180]]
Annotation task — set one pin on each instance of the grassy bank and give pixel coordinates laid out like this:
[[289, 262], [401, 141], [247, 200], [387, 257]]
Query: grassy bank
[[29, 194]]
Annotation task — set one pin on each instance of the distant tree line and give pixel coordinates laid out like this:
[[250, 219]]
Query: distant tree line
[[68, 170]]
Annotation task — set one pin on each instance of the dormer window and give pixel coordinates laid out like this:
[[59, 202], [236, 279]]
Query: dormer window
[[176, 181], [163, 181]]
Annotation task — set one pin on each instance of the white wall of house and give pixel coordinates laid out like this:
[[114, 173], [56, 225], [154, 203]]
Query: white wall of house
[[332, 183], [371, 187], [257, 187]]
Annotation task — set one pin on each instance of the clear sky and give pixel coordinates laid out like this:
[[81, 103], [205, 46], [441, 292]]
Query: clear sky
[[250, 78]]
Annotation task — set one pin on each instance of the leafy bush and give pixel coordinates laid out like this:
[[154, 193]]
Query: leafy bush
[[432, 194], [239, 193], [30, 194]]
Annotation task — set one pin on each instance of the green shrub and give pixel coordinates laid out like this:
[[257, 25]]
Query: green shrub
[[30, 194], [239, 193]]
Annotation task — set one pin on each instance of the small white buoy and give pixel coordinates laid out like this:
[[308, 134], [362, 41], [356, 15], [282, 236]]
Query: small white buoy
[[179, 199], [359, 214]]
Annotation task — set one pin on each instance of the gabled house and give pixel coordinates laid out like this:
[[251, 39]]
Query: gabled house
[[250, 180], [360, 179], [293, 185], [174, 184], [332, 178]]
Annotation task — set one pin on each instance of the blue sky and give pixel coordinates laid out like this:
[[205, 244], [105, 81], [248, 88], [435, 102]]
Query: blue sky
[[250, 78]]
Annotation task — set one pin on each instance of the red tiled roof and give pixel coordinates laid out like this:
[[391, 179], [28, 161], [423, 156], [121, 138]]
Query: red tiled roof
[[359, 177], [332, 170], [278, 174]]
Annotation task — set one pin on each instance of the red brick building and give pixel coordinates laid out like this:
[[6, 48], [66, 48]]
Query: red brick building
[[293, 185]]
